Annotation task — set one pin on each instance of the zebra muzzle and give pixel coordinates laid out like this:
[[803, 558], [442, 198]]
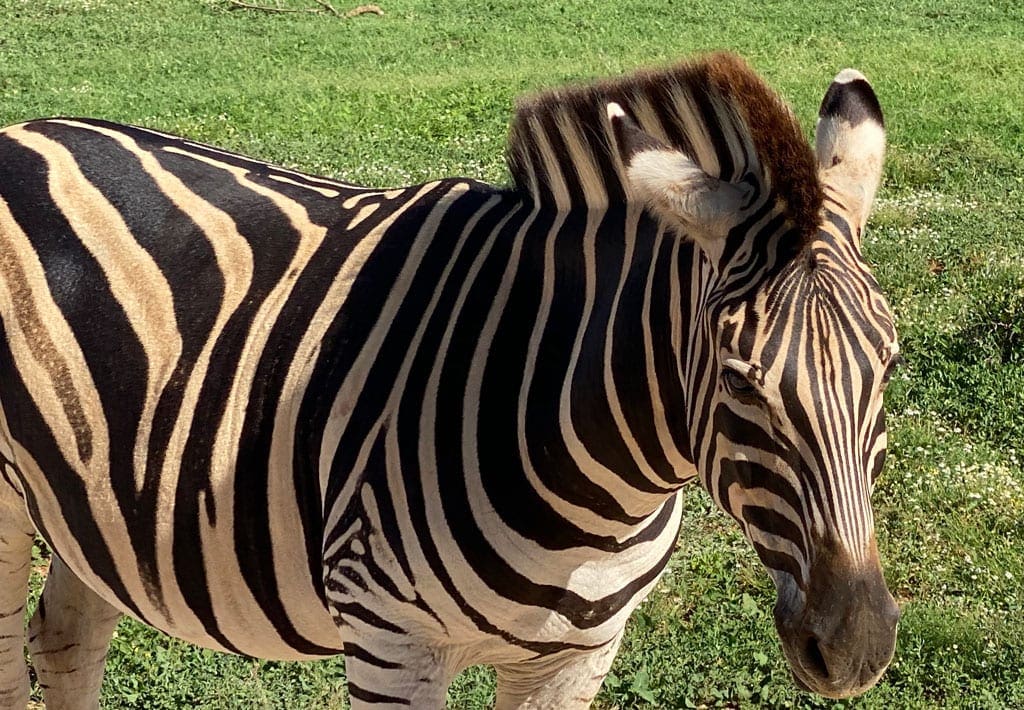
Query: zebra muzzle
[[840, 641]]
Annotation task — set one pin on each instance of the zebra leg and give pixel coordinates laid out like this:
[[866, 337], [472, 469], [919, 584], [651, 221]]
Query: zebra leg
[[560, 682], [68, 639], [384, 673], [16, 534]]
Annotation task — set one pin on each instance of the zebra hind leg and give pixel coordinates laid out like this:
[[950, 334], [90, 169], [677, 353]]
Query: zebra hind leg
[[68, 639], [16, 534], [562, 682]]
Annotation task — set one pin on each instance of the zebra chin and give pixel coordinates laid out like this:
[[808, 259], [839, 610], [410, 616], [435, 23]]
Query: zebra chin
[[839, 634]]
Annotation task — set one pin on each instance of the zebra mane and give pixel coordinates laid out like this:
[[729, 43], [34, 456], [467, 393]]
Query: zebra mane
[[715, 109]]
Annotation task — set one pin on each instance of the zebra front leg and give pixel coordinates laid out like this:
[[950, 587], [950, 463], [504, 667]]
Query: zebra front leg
[[386, 670], [562, 682], [68, 639], [16, 534]]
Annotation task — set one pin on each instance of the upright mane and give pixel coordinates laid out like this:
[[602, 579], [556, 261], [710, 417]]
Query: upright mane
[[714, 109]]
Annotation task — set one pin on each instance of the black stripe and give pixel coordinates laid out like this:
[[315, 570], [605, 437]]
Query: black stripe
[[407, 421], [773, 559], [547, 450], [726, 162], [360, 313], [369, 696], [600, 152], [252, 532], [629, 351], [666, 359], [359, 653], [590, 406], [79, 288], [566, 167], [743, 236], [256, 169], [273, 240], [750, 474], [360, 612], [876, 431], [376, 479], [774, 523], [513, 498], [663, 105], [478, 550]]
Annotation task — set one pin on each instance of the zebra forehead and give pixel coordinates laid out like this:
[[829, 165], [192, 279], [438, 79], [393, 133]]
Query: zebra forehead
[[715, 109], [834, 305]]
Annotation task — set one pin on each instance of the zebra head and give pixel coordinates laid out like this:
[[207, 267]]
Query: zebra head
[[792, 343]]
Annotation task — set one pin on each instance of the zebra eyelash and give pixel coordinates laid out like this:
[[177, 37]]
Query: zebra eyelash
[[741, 385], [896, 362]]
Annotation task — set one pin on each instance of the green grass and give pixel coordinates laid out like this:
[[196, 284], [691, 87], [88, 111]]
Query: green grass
[[426, 91]]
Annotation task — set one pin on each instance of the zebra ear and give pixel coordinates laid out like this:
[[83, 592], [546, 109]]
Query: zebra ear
[[674, 186], [850, 143]]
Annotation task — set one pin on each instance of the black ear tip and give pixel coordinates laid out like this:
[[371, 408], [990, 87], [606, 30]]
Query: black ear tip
[[851, 98]]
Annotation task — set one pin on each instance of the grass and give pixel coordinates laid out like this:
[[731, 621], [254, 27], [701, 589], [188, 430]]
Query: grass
[[426, 91]]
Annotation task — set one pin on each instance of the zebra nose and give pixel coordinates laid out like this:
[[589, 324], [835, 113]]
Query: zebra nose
[[839, 643]]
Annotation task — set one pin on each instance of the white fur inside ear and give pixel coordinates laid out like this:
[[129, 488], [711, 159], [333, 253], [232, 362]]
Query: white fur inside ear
[[614, 111], [851, 156], [678, 189], [837, 141]]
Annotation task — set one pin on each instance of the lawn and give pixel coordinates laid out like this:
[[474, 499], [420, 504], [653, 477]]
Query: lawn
[[426, 91]]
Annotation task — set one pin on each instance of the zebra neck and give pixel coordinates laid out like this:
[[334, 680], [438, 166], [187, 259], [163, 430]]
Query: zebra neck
[[601, 372]]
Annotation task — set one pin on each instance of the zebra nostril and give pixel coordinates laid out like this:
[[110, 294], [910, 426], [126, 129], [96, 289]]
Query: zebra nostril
[[814, 658]]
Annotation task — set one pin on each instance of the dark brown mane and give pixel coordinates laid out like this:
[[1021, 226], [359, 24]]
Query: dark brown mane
[[715, 109]]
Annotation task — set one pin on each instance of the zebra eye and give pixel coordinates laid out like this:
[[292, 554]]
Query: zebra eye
[[894, 363], [738, 385]]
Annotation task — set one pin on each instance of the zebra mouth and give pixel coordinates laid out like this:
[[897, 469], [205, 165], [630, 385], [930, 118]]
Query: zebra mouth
[[799, 682], [812, 672]]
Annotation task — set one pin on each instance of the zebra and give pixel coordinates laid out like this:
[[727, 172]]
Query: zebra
[[447, 424]]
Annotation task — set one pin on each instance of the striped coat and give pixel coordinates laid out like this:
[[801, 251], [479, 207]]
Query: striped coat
[[444, 424]]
